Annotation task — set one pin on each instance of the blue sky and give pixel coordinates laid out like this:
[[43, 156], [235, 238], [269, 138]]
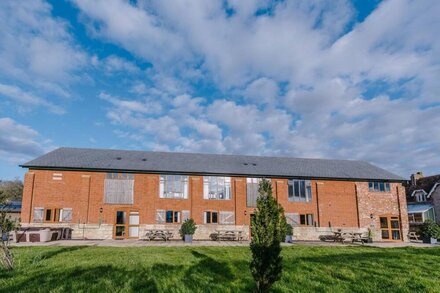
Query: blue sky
[[319, 79]]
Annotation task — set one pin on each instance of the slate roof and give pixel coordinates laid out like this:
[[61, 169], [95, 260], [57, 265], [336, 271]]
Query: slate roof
[[424, 183], [208, 164], [419, 208], [11, 207]]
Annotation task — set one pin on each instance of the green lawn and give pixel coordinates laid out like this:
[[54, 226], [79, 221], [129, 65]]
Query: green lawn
[[220, 269]]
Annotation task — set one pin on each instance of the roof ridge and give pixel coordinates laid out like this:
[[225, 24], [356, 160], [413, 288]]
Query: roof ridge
[[215, 154]]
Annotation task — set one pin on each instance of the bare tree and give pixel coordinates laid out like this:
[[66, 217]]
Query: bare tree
[[12, 189]]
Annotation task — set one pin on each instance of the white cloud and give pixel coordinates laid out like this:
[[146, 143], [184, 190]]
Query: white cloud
[[292, 82], [28, 100], [19, 142]]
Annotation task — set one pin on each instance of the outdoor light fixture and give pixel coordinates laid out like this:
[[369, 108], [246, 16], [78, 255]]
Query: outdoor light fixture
[[100, 210], [371, 216]]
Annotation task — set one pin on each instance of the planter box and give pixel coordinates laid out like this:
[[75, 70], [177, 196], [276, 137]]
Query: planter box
[[188, 238], [430, 240]]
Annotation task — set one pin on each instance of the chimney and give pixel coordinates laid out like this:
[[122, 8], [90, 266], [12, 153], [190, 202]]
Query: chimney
[[416, 176]]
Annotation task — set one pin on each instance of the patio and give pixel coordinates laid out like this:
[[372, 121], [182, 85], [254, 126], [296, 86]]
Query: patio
[[177, 243]]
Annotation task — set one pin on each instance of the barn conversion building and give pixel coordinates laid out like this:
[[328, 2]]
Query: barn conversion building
[[104, 194]]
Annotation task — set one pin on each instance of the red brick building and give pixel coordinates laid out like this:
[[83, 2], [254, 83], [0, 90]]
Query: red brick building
[[105, 194]]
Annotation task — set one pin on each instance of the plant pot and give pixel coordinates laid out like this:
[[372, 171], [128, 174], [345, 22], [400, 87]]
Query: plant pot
[[429, 240], [188, 238], [5, 236], [288, 239], [370, 240]]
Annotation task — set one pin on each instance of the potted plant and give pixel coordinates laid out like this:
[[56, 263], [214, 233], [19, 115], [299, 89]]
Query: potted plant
[[370, 236], [430, 231], [289, 233], [187, 230]]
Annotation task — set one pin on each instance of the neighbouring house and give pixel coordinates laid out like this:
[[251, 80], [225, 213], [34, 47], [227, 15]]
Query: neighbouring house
[[104, 194], [423, 198], [12, 209]]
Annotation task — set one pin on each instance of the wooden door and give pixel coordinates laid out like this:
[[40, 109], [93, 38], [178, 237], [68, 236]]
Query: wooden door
[[126, 224], [390, 228]]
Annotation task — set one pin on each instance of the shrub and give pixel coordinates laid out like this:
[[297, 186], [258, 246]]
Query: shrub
[[188, 228], [430, 229], [268, 228], [289, 230]]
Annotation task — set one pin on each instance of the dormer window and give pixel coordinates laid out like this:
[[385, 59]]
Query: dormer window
[[420, 196]]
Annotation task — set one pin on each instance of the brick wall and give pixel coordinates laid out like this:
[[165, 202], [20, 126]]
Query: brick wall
[[334, 203]]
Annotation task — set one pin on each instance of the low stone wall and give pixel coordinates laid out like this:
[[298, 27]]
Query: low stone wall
[[203, 232]]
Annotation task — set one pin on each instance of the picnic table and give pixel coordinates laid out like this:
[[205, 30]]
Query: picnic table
[[231, 235], [340, 236], [153, 234]]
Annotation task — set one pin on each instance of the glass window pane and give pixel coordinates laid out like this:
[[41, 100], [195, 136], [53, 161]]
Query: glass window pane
[[309, 193], [370, 186], [387, 187], [214, 217], [48, 215], [120, 231], [290, 190], [302, 219], [396, 234], [208, 217], [169, 217], [395, 224], [384, 222], [296, 187], [176, 217], [385, 234], [381, 187], [376, 186], [302, 189], [120, 217]]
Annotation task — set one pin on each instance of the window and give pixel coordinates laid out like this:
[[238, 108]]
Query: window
[[300, 190], [172, 217], [38, 215], [50, 215], [252, 185], [65, 215], [210, 217], [306, 219], [420, 196], [227, 218], [216, 187], [379, 186], [57, 176], [169, 216], [173, 186], [415, 218], [118, 188]]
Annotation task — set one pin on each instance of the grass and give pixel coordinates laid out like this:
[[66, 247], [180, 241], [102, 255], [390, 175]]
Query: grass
[[220, 269]]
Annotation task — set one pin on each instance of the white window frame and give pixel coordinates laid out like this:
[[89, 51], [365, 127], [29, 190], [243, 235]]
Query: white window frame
[[38, 211], [166, 182], [304, 186], [223, 193]]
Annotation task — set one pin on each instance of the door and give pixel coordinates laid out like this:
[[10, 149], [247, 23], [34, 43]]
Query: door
[[120, 225], [390, 228], [133, 225], [126, 224]]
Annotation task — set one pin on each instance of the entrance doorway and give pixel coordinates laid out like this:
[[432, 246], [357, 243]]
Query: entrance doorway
[[126, 224], [390, 228]]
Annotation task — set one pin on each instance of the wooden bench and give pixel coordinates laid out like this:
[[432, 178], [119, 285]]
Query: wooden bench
[[158, 234]]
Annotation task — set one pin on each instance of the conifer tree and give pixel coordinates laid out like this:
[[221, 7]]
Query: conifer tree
[[268, 230]]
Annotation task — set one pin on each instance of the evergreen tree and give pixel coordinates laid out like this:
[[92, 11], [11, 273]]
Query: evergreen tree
[[268, 228]]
